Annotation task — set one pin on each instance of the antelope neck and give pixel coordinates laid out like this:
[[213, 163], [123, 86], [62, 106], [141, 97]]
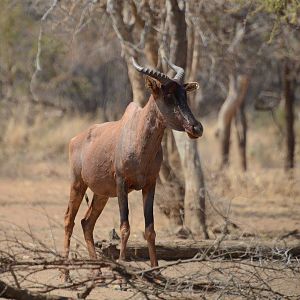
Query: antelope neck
[[151, 127]]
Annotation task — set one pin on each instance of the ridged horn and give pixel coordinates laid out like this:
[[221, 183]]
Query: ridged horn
[[161, 77], [179, 71]]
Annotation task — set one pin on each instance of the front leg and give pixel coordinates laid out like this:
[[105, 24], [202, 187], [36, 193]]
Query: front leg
[[148, 200], [122, 193]]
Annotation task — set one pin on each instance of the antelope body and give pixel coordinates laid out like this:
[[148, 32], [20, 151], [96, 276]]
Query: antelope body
[[115, 158]]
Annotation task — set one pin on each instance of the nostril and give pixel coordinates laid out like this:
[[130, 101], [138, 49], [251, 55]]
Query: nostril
[[198, 129]]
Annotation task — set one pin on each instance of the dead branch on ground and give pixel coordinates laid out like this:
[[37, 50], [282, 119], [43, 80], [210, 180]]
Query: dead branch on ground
[[221, 267]]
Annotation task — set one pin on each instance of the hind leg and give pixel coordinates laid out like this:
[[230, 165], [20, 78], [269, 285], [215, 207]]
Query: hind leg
[[78, 188], [89, 221]]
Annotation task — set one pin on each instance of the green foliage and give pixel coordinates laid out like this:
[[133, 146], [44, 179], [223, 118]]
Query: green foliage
[[274, 6], [281, 7], [283, 12], [286, 12], [18, 47], [17, 43]]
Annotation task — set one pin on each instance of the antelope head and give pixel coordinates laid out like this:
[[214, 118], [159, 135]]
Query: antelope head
[[170, 95]]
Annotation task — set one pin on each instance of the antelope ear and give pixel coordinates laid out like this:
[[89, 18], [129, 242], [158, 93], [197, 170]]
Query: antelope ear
[[153, 85], [191, 86]]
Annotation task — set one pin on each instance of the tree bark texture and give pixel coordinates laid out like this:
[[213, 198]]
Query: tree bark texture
[[177, 30], [194, 199], [115, 9], [289, 99], [193, 59], [171, 185]]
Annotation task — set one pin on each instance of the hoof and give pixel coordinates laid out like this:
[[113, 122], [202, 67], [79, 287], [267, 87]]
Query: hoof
[[122, 258]]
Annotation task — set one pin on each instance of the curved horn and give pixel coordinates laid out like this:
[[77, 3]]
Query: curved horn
[[152, 73], [179, 71]]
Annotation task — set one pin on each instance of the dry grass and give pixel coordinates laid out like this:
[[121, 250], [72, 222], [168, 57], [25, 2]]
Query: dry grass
[[46, 136], [40, 135], [44, 140], [264, 200]]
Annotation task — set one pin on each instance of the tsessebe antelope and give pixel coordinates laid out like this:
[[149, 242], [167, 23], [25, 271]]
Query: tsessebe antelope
[[114, 158]]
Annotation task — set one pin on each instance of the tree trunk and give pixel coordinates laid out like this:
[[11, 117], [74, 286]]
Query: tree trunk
[[177, 30], [115, 8], [193, 60], [238, 87], [151, 42], [289, 98], [137, 82], [241, 130], [241, 121], [195, 98], [225, 116], [194, 199], [173, 204]]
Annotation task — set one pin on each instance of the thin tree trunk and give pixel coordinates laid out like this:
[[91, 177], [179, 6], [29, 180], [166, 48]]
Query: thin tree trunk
[[241, 121], [177, 29], [225, 116], [241, 130], [194, 199], [193, 66], [225, 145], [238, 87], [288, 90], [191, 44]]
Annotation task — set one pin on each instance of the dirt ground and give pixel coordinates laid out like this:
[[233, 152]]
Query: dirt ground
[[37, 202]]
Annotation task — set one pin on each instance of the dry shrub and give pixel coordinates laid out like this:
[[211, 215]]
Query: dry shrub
[[30, 263]]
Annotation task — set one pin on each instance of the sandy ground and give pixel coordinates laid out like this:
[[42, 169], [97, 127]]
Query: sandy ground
[[37, 204]]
